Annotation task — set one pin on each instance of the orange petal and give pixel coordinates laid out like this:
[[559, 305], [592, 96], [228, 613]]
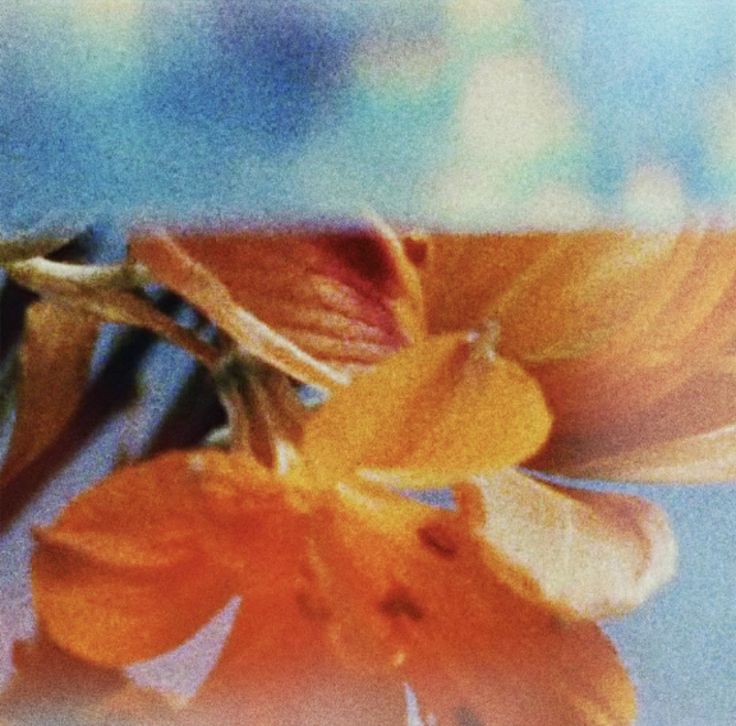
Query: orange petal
[[616, 326], [634, 390], [609, 322], [345, 298], [60, 340], [50, 686], [509, 665], [128, 572], [462, 275], [280, 667], [555, 295], [587, 554], [445, 408], [411, 591]]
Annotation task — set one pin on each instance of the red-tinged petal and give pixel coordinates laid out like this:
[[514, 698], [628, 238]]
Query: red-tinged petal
[[702, 459], [173, 266], [443, 409], [586, 554], [412, 593], [130, 569], [279, 667], [54, 367], [345, 298]]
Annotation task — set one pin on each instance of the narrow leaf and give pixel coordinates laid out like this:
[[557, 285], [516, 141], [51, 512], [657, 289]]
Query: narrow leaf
[[55, 355]]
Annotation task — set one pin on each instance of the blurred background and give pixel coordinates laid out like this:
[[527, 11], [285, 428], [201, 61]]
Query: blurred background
[[462, 114]]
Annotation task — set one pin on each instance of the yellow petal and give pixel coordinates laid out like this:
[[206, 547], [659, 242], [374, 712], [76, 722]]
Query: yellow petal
[[54, 367], [445, 408], [412, 591], [587, 554], [345, 298], [125, 573]]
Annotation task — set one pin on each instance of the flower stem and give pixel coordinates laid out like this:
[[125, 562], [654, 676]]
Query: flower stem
[[14, 250]]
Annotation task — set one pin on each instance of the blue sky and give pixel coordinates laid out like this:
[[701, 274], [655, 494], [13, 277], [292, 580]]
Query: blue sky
[[467, 114], [130, 109]]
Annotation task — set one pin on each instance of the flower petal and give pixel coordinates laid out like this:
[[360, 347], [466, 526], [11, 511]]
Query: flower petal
[[279, 667], [412, 589], [347, 298], [587, 554], [615, 326], [127, 571], [554, 294], [49, 686], [445, 408], [462, 275], [59, 339], [702, 459], [638, 389]]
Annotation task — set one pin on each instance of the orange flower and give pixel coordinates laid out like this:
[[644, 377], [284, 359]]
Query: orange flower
[[630, 336], [349, 588], [553, 295], [341, 299]]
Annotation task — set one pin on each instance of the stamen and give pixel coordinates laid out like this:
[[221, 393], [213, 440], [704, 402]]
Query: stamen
[[484, 340], [231, 380]]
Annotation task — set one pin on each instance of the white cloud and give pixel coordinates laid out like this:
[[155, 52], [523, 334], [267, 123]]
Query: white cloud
[[653, 199], [512, 110], [561, 206], [480, 15], [513, 117]]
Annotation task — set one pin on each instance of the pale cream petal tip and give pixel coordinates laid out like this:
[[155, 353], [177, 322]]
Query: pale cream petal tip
[[589, 555]]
